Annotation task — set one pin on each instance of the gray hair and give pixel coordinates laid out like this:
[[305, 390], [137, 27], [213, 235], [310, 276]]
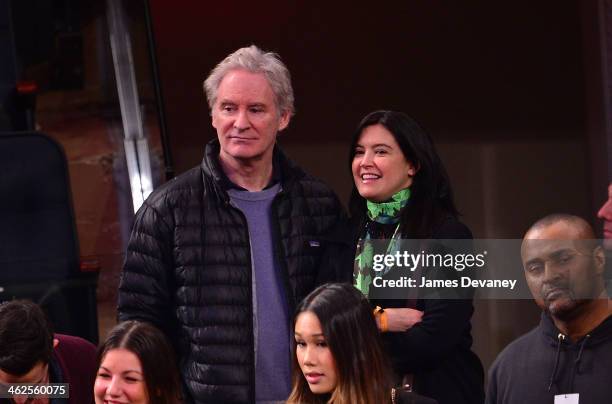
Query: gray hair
[[254, 60]]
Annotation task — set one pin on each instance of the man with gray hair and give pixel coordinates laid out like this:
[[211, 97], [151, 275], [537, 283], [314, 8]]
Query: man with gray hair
[[220, 256]]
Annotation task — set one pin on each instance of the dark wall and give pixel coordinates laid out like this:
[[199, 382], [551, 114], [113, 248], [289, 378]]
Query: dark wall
[[8, 74], [460, 69]]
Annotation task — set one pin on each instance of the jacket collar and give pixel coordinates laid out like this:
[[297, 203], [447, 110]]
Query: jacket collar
[[285, 169], [601, 333]]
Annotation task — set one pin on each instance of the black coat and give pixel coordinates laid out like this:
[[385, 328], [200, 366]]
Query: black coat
[[188, 270], [437, 351]]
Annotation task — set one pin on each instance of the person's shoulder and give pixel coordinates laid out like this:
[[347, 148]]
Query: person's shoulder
[[515, 352], [77, 360], [450, 227], [519, 364], [315, 191], [181, 184], [314, 185], [298, 184], [292, 173], [176, 193], [74, 344], [71, 351]]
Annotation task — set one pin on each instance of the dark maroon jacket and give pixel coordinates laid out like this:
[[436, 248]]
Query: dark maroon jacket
[[75, 358]]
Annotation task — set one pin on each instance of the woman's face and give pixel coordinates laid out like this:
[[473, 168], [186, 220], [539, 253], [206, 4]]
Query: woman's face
[[120, 379], [313, 354], [379, 166]]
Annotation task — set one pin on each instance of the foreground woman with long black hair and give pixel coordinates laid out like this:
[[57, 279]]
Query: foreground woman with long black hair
[[338, 357]]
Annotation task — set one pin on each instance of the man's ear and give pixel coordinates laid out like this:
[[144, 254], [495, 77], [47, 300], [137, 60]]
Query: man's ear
[[284, 120], [55, 343]]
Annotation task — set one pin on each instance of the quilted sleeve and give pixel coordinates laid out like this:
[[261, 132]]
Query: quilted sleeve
[[146, 287]]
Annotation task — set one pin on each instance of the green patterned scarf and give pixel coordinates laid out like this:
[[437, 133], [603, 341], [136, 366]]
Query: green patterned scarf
[[384, 213]]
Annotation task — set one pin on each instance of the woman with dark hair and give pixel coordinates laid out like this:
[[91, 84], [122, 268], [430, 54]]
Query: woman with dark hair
[[338, 355], [402, 191], [136, 365]]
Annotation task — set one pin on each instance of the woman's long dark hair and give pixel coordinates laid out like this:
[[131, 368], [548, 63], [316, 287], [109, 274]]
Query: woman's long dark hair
[[352, 336], [156, 357], [431, 199]]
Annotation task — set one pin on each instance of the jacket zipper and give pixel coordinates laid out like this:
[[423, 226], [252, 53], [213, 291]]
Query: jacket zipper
[[280, 254]]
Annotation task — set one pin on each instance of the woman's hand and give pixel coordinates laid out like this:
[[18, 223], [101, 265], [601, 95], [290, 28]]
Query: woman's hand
[[401, 319]]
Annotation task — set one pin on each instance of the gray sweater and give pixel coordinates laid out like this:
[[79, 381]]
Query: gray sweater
[[271, 317]]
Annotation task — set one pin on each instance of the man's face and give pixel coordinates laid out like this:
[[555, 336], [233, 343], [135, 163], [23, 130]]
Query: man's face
[[38, 374], [563, 273], [246, 117], [605, 213]]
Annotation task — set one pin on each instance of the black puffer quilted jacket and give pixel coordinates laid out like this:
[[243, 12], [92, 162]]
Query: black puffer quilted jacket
[[188, 270]]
